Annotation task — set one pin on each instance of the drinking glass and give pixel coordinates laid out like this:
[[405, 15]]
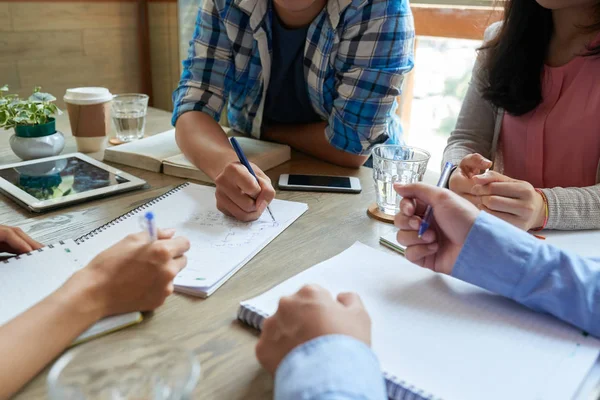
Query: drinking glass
[[129, 116], [117, 368], [395, 163]]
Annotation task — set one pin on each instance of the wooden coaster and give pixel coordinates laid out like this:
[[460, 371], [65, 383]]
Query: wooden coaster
[[115, 142], [374, 212]]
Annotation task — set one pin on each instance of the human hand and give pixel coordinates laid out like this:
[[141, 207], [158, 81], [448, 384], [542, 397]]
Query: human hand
[[461, 180], [441, 244], [306, 315], [516, 202], [238, 193], [15, 241], [134, 274]]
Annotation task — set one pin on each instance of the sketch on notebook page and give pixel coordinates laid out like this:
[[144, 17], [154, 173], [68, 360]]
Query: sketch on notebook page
[[220, 243]]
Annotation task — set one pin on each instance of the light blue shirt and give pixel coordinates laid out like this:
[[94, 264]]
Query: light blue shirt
[[497, 257]]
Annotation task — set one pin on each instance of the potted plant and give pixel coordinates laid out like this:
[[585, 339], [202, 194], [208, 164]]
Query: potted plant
[[34, 124]]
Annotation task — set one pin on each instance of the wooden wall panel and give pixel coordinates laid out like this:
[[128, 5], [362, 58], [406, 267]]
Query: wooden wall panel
[[164, 49], [42, 44], [5, 21], [31, 16], [9, 75]]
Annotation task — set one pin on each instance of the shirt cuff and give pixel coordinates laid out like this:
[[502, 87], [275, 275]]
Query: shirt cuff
[[495, 255], [333, 365]]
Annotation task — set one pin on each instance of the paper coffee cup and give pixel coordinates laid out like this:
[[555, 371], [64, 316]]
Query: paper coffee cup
[[89, 115]]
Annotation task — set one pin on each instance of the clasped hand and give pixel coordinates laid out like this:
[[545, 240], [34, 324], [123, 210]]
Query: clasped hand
[[514, 201]]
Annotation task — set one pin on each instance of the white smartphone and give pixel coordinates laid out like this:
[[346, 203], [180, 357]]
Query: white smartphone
[[320, 183]]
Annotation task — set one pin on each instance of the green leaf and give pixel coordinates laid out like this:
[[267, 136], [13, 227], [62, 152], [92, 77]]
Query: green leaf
[[43, 97], [37, 89], [4, 88]]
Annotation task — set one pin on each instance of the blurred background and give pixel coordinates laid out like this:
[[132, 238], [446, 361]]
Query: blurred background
[[137, 46]]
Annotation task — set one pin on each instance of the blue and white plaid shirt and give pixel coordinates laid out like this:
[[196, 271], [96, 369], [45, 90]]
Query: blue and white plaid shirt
[[355, 58]]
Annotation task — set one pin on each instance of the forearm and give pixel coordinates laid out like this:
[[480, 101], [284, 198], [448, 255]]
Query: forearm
[[310, 139], [573, 208], [33, 339], [204, 142], [535, 274]]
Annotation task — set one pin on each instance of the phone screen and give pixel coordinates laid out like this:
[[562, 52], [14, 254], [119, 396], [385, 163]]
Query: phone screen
[[317, 180]]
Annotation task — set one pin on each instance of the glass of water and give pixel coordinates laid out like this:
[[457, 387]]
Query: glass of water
[[129, 116], [395, 163], [117, 368]]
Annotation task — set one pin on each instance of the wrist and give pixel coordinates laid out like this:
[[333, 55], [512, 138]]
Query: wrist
[[541, 213], [85, 296]]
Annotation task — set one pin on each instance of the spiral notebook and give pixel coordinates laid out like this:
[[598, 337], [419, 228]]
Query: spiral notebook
[[29, 278], [440, 338], [220, 245]]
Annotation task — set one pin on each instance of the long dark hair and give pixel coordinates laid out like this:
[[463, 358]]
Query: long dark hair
[[514, 59]]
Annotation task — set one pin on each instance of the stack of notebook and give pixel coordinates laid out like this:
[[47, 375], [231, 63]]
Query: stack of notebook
[[160, 153]]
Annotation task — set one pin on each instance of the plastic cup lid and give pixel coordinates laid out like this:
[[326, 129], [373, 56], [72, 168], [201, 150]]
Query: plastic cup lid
[[87, 95]]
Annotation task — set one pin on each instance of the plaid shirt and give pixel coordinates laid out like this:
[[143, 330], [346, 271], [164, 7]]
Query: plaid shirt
[[355, 58]]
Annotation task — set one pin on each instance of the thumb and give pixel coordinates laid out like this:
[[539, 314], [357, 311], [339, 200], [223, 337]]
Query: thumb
[[350, 300], [489, 177], [426, 193], [475, 162]]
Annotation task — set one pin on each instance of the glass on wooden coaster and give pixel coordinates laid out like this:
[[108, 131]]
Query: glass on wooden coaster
[[129, 116], [124, 367], [396, 164]]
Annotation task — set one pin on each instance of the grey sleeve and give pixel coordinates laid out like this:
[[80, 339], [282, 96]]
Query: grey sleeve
[[474, 132], [573, 208]]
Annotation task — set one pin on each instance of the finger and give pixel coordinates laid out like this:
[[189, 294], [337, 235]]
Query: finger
[[504, 204], [511, 219], [164, 234], [227, 206], [177, 246], [411, 238], [176, 265], [11, 242], [241, 199], [489, 177], [424, 193], [515, 189], [407, 223], [417, 254], [474, 163], [350, 300], [246, 182], [34, 244], [267, 193], [409, 207]]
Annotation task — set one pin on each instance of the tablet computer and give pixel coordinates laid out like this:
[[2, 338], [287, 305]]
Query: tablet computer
[[53, 182]]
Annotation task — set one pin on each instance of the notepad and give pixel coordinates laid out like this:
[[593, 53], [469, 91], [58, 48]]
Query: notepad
[[26, 280], [160, 153], [440, 338], [220, 245], [391, 243], [584, 243]]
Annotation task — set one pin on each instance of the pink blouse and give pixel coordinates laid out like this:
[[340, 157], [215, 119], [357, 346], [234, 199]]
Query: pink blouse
[[558, 143]]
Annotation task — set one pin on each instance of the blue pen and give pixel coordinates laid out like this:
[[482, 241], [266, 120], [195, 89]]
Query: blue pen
[[442, 182], [151, 224], [238, 150]]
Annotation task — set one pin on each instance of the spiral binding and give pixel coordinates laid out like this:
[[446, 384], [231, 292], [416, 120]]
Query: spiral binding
[[50, 246], [397, 389], [131, 213]]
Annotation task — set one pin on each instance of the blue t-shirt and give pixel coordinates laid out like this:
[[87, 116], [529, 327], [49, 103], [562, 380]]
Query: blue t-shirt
[[287, 99]]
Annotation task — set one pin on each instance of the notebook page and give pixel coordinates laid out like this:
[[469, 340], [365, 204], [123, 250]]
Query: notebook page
[[584, 243], [448, 338], [27, 280], [219, 244], [157, 147]]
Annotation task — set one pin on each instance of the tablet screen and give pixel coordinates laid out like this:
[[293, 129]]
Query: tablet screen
[[55, 179]]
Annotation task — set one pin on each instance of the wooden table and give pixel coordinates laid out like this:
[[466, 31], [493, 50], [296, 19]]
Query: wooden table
[[208, 328]]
